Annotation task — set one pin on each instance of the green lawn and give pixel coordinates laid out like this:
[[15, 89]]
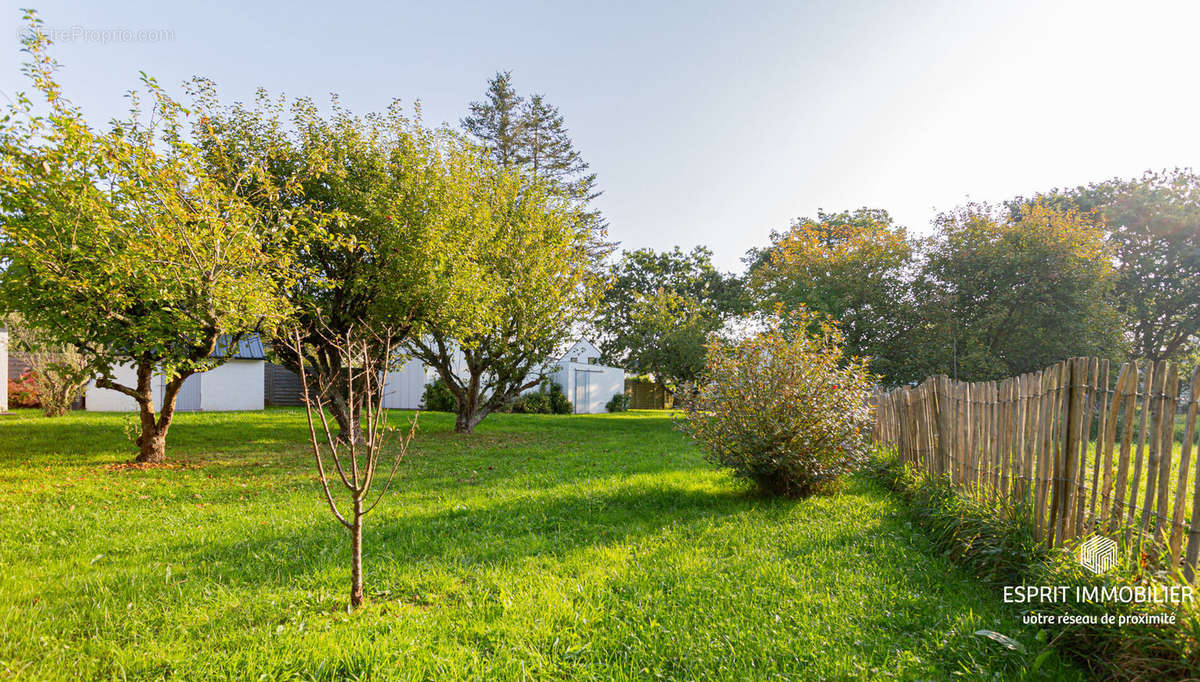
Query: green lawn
[[543, 547]]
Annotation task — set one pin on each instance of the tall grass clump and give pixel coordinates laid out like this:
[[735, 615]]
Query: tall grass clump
[[998, 545], [784, 408]]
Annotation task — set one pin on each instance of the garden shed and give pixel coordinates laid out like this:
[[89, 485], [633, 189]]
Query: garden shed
[[588, 385], [235, 385]]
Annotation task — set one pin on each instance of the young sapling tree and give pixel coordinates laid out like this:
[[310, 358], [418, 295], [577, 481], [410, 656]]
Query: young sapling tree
[[354, 460]]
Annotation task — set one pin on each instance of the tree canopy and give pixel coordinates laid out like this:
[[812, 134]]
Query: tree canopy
[[659, 310], [542, 264], [1002, 295], [378, 214], [1153, 225], [120, 244], [530, 135], [854, 266]]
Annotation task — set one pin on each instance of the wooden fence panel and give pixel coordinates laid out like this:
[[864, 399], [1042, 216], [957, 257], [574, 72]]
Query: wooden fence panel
[[1027, 442]]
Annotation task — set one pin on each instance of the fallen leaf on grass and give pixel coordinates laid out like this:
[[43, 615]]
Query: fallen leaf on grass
[[1003, 640]]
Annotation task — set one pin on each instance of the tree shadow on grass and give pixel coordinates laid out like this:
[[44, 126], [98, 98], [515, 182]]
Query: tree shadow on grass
[[468, 540]]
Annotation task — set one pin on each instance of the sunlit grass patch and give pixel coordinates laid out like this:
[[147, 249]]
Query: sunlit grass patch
[[568, 547]]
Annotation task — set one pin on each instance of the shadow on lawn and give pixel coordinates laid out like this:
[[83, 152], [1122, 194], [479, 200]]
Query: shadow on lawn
[[547, 525]]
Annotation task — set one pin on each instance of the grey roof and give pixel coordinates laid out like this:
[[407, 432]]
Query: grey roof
[[249, 348]]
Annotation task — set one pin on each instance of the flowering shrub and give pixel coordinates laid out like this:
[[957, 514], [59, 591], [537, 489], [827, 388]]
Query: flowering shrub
[[22, 391], [784, 408]]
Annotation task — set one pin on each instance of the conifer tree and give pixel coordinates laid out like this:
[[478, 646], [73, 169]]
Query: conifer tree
[[531, 136], [497, 123]]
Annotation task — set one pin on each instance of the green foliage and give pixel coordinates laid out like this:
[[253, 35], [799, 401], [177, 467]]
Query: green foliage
[[120, 244], [853, 266], [1003, 295], [438, 398], [59, 373], [784, 408], [618, 403], [660, 310], [558, 400], [1153, 225], [537, 247], [548, 399], [378, 214], [536, 402], [996, 542], [543, 273], [668, 568]]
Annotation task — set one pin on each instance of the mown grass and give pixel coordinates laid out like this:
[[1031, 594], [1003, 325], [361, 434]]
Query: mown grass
[[580, 547]]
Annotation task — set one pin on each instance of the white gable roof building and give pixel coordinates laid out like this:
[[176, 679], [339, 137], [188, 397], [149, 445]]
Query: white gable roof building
[[238, 384], [588, 385]]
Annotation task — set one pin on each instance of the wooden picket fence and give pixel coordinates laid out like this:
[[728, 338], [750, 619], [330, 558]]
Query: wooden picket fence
[[1027, 443]]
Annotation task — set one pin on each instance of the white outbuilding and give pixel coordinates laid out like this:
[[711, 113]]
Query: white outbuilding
[[405, 387], [237, 384], [588, 385]]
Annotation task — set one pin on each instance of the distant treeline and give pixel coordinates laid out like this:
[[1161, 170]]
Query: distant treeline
[[1110, 269]]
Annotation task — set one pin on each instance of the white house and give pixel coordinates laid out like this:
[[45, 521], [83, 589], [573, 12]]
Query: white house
[[235, 385], [589, 386]]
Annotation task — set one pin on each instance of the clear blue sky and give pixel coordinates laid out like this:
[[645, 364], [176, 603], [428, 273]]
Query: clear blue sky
[[714, 123]]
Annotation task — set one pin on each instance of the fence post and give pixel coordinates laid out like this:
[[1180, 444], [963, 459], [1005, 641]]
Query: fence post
[[1101, 400], [1073, 429], [1140, 451], [1189, 431], [1155, 403], [1045, 460], [1166, 448], [1108, 437]]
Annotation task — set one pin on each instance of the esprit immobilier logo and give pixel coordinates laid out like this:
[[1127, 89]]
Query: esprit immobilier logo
[[1098, 554]]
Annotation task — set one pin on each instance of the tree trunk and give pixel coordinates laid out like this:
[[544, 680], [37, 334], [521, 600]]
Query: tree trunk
[[152, 446], [356, 572], [152, 443], [468, 419], [348, 420]]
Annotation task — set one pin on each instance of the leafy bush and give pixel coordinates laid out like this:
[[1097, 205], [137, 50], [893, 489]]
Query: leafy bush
[[619, 403], [558, 400], [784, 408], [59, 373], [548, 399], [22, 391], [438, 398], [532, 403]]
